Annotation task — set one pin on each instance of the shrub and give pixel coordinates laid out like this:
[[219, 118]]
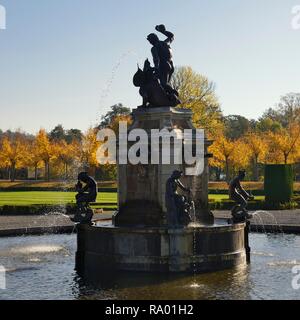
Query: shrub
[[278, 183], [36, 210]]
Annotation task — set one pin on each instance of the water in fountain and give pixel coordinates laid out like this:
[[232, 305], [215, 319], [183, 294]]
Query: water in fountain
[[194, 224], [106, 90], [57, 216], [32, 251], [256, 225], [260, 221], [269, 276], [272, 216], [66, 181], [36, 249]]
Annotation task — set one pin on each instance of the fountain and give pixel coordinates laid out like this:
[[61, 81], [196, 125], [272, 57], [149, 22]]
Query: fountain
[[141, 237]]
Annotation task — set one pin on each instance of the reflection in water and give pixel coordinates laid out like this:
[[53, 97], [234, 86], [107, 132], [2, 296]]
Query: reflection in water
[[230, 284], [264, 254], [42, 267], [33, 249], [290, 263]]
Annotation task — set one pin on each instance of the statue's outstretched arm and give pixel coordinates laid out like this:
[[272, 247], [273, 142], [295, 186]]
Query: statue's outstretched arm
[[162, 29], [182, 187], [84, 189], [243, 192], [170, 36]]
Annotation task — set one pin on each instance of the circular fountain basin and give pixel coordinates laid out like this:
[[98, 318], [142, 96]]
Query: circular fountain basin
[[194, 249]]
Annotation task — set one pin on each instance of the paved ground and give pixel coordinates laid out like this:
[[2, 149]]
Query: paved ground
[[281, 217], [17, 225], [14, 222], [287, 220]]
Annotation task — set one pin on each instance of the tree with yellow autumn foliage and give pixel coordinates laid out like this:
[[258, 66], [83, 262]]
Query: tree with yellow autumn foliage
[[257, 148], [223, 151], [197, 92], [67, 154], [240, 156], [89, 147], [46, 151], [34, 159], [283, 145], [13, 153]]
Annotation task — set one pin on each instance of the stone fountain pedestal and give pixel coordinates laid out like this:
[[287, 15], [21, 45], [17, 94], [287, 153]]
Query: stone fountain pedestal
[[190, 250], [141, 188], [139, 239]]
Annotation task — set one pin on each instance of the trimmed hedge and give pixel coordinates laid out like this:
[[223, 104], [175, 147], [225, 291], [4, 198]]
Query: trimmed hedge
[[225, 192], [70, 189], [279, 181], [36, 209], [47, 209], [254, 205]]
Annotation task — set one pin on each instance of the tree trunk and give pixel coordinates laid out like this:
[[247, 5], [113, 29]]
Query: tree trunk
[[285, 158], [218, 174], [66, 171], [256, 169], [48, 172], [227, 170], [35, 173], [13, 173], [45, 175]]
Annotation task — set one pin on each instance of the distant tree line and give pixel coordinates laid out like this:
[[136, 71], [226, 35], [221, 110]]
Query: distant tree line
[[238, 142], [58, 154]]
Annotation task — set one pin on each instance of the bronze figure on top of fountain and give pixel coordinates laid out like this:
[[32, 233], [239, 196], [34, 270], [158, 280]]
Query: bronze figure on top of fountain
[[154, 82], [162, 54]]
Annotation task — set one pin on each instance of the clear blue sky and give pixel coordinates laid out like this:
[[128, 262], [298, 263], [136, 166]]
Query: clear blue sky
[[59, 58]]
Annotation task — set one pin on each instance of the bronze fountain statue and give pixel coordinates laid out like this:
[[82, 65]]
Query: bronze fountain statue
[[154, 82]]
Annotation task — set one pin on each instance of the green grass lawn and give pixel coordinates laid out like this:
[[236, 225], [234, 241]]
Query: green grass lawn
[[56, 197], [221, 185], [49, 198], [219, 197]]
